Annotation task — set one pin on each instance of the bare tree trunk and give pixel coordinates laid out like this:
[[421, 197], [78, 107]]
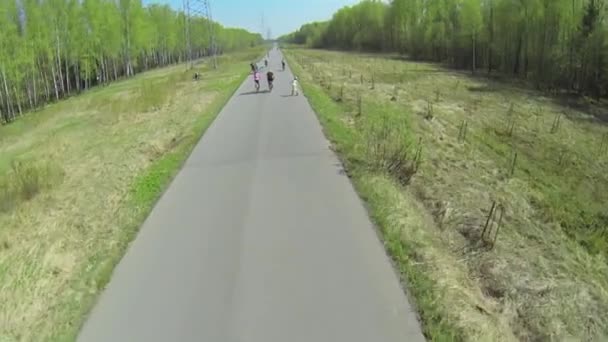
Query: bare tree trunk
[[104, 69], [34, 89], [9, 105], [59, 72], [527, 42], [67, 76], [29, 95], [55, 81], [86, 75], [18, 100], [474, 52], [128, 68], [3, 113], [45, 81], [517, 56], [127, 48], [491, 42], [78, 85], [47, 92], [571, 72], [541, 67], [115, 71]]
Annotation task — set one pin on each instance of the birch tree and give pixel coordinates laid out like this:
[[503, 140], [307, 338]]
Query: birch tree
[[50, 49]]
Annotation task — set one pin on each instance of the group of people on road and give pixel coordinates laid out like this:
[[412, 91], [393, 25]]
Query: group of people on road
[[270, 77], [257, 76]]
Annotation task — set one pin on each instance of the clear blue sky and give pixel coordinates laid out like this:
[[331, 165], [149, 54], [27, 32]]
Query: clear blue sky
[[280, 16]]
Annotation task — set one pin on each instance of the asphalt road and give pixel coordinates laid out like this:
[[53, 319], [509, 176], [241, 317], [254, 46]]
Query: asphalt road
[[260, 238]]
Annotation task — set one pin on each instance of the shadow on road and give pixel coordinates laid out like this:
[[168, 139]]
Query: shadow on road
[[254, 92]]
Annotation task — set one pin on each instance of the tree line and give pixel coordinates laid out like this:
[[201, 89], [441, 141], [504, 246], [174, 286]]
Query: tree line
[[556, 44], [50, 49]]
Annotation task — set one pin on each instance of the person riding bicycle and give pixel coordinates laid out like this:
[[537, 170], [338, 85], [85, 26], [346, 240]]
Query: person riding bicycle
[[256, 79], [270, 79]]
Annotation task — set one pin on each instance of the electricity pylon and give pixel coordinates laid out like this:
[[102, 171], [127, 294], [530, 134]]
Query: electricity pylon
[[200, 9]]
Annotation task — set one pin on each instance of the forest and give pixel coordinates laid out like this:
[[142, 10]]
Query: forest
[[50, 49], [557, 45]]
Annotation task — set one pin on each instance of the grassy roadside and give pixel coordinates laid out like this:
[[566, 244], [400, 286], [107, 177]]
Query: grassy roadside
[[111, 153], [546, 278]]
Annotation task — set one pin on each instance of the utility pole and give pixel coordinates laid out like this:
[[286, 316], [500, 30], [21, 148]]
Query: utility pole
[[212, 43], [263, 27], [199, 12]]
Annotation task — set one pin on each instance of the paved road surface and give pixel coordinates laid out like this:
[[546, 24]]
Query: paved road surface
[[260, 238]]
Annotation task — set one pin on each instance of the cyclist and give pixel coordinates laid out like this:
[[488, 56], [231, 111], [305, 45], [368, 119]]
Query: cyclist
[[256, 80], [270, 79]]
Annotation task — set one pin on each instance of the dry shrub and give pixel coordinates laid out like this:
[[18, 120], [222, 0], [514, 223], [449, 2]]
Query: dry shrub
[[388, 147], [25, 180], [153, 94]]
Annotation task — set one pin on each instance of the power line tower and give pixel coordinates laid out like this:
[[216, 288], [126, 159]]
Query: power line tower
[[186, 9], [263, 26], [200, 9]]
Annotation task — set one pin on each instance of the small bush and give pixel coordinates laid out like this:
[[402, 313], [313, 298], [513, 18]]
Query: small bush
[[28, 179], [25, 180], [153, 94], [388, 147]]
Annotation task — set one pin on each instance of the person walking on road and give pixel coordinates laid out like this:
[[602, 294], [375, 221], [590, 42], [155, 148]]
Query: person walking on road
[[266, 63], [253, 67], [256, 80], [283, 64], [294, 87]]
